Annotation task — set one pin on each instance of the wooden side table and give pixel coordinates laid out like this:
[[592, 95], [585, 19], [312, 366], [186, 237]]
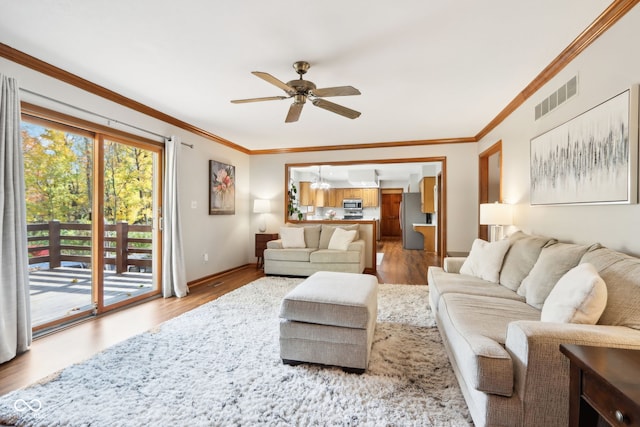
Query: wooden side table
[[261, 245], [605, 382]]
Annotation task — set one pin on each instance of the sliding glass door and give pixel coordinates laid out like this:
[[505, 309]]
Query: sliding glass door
[[58, 179], [130, 242], [93, 201]]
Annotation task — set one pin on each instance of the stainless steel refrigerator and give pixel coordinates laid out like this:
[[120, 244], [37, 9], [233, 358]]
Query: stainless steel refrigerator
[[410, 214]]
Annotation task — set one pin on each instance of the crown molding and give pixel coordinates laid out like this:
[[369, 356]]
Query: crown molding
[[394, 144], [45, 68], [599, 26]]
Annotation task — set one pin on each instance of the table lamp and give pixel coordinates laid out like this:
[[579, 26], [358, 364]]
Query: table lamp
[[262, 207], [496, 215]]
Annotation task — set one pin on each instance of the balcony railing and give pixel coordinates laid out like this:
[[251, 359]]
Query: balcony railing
[[55, 242]]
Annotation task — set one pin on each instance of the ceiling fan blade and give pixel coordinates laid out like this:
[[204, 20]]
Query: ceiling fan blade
[[335, 108], [336, 91], [274, 81], [267, 98], [294, 112]]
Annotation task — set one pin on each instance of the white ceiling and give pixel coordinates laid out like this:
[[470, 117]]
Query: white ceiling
[[427, 69]]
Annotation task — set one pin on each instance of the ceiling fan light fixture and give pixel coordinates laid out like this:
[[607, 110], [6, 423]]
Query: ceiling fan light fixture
[[301, 89]]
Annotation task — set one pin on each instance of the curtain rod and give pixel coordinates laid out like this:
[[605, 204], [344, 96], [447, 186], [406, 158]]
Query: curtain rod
[[99, 115]]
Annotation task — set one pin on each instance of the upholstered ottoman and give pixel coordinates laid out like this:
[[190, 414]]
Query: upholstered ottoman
[[330, 319]]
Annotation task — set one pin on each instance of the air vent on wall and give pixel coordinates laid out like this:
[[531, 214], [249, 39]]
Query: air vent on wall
[[564, 93]]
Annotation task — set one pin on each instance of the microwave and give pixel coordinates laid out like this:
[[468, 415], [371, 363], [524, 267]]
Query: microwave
[[352, 204]]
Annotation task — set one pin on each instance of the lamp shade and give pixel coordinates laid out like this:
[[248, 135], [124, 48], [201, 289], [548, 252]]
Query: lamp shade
[[261, 206], [495, 214]]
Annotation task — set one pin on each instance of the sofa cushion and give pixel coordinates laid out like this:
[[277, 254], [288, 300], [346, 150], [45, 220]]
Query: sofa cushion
[[553, 263], [332, 256], [298, 255], [327, 232], [341, 238], [441, 282], [292, 237], [311, 234], [521, 257], [621, 273], [579, 297], [485, 259], [476, 328]]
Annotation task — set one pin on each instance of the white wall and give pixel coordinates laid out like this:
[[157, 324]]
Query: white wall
[[608, 67], [268, 171], [224, 237]]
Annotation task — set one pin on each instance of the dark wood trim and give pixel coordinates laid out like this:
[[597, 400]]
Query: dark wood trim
[[599, 26], [483, 183], [55, 119], [443, 211], [97, 226], [212, 278], [461, 140], [58, 73]]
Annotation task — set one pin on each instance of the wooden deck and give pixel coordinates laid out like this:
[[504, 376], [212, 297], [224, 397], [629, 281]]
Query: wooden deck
[[63, 291]]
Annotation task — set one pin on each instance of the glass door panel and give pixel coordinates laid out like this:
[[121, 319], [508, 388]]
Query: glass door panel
[[58, 181], [130, 243]]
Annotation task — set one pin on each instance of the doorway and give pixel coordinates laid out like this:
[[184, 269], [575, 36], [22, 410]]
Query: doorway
[[390, 213], [490, 180], [92, 205]]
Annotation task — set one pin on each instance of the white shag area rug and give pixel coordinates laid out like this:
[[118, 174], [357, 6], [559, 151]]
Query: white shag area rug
[[219, 365]]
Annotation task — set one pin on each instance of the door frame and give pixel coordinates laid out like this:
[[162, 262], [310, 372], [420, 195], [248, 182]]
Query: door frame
[[483, 191], [384, 192], [442, 208], [45, 116]]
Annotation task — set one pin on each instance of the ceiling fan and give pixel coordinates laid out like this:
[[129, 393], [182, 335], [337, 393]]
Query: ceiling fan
[[301, 90]]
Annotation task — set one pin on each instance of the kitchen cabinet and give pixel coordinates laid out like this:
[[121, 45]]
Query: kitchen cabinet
[[337, 194], [427, 194], [321, 198], [352, 193], [307, 195], [370, 198]]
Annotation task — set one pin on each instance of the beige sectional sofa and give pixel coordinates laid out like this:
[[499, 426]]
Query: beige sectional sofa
[[503, 334], [318, 252]]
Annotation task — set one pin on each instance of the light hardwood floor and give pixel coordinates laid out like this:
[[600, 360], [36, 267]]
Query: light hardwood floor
[[53, 352]]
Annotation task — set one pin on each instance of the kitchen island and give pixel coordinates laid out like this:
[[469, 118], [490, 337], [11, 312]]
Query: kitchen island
[[429, 233]]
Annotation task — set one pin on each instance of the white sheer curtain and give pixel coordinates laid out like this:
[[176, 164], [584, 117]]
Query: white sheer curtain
[[174, 277], [15, 311]]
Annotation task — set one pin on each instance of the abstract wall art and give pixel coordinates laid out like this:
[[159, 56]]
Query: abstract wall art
[[591, 159]]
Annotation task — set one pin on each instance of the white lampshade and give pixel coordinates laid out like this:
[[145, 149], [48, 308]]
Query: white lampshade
[[496, 214], [261, 206]]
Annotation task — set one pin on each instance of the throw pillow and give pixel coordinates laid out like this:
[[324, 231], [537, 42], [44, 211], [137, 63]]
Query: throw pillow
[[621, 273], [292, 237], [521, 257], [327, 232], [341, 238], [311, 234], [554, 261], [485, 259], [580, 296]]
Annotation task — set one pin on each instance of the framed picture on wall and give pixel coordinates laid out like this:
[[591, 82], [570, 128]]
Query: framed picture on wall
[[591, 159], [222, 188]]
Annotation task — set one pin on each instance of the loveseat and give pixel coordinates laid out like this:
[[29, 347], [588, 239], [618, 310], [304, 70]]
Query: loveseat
[[303, 250], [504, 310]]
